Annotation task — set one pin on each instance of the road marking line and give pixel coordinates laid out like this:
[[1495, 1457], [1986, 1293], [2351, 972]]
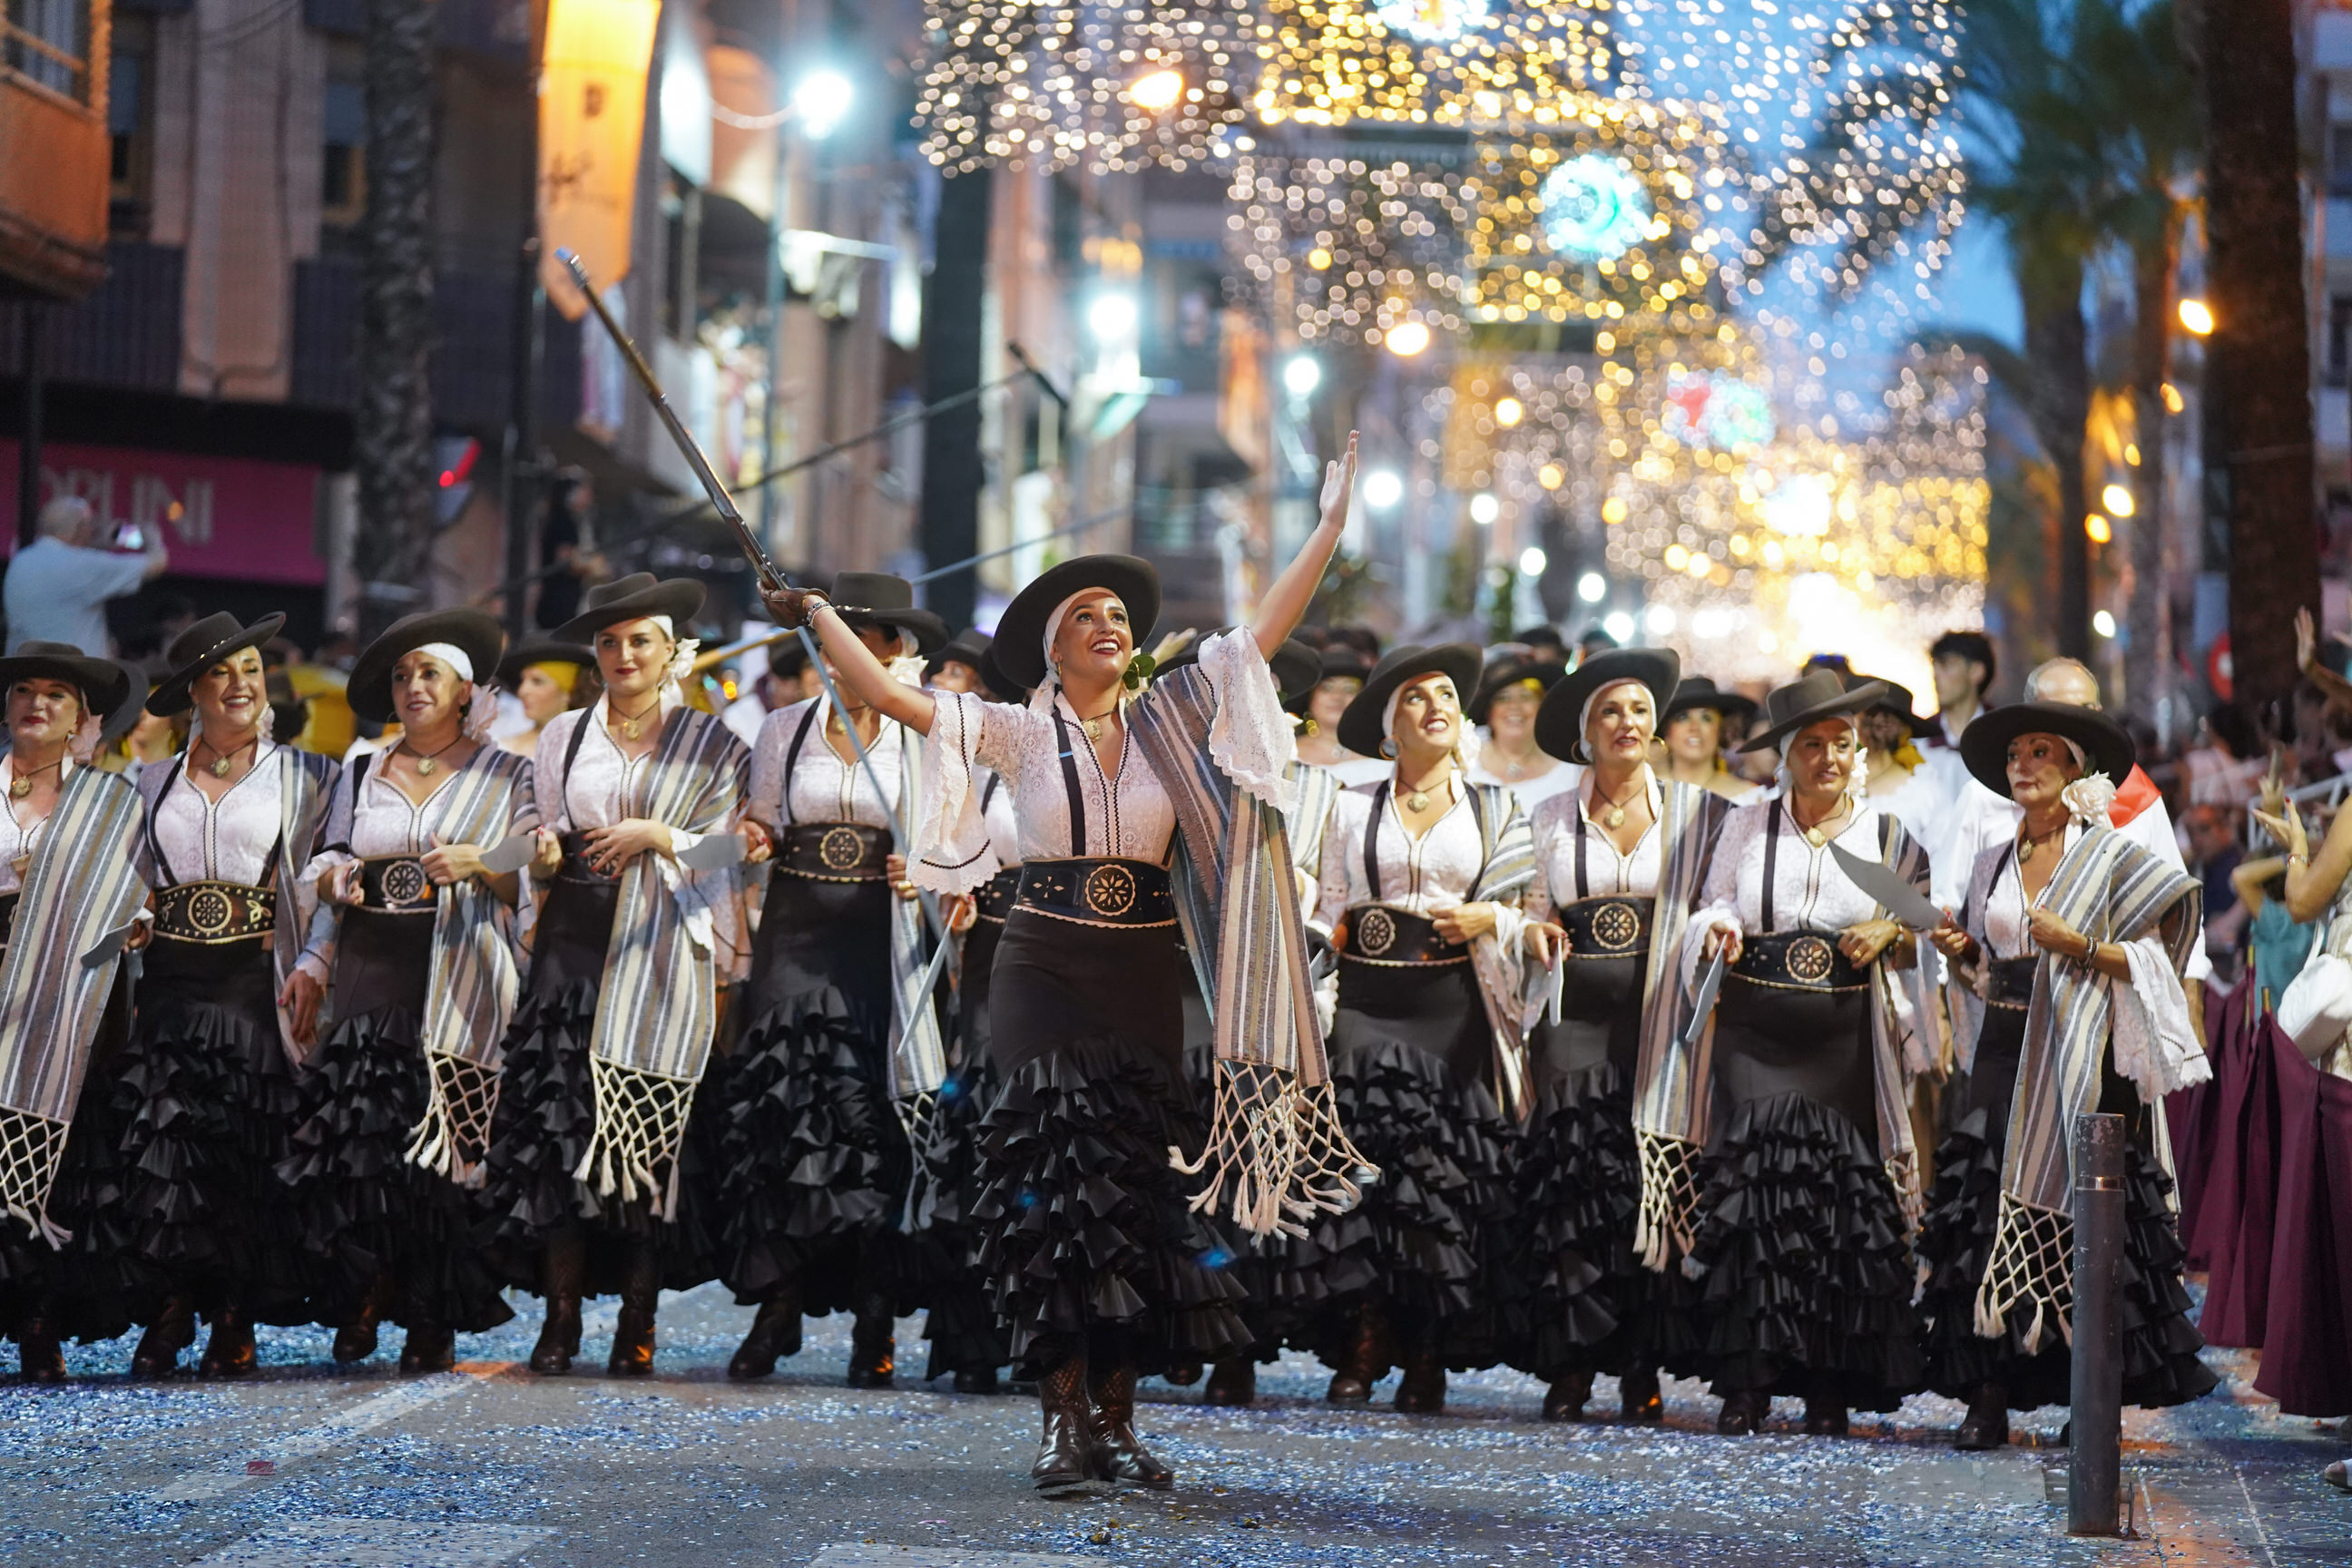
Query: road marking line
[[878, 1555], [2260, 1534], [308, 1442]]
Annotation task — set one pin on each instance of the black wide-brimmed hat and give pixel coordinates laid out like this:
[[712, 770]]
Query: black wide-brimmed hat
[[199, 649], [474, 633], [1560, 722], [1297, 667], [1000, 685], [965, 648], [123, 716], [1020, 645], [1359, 726], [635, 597], [1507, 672], [1984, 745], [105, 684], [540, 650], [1821, 695], [1341, 661], [879, 599], [1897, 701], [1700, 692]]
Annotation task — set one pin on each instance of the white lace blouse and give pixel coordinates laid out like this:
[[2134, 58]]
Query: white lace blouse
[[1606, 871], [1003, 824], [1808, 891], [823, 787], [18, 835], [2004, 905], [1426, 875], [595, 792], [1128, 815], [227, 840]]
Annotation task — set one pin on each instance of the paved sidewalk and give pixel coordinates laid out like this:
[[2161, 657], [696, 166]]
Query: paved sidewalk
[[312, 1467]]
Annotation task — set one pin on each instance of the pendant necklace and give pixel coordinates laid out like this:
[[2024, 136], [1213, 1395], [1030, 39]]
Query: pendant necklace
[[1419, 799], [219, 767], [632, 725], [1817, 835], [1614, 816], [1094, 726], [21, 784], [424, 762], [2025, 850]]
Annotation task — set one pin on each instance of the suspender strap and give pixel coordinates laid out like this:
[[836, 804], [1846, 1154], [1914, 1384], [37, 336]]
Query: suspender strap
[[1771, 861], [1372, 843], [793, 760], [358, 778], [1070, 784], [571, 751], [988, 792], [155, 844], [1583, 890]]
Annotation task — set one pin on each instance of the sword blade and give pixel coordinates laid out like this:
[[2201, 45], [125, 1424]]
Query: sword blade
[[1703, 1003], [1904, 902]]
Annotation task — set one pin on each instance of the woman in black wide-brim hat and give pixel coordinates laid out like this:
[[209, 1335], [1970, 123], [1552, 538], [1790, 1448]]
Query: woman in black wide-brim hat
[[396, 1104], [69, 866], [1097, 1267], [814, 1158], [1420, 886], [1797, 1143], [592, 1185], [1695, 724], [229, 998], [1619, 860], [548, 676], [2067, 955]]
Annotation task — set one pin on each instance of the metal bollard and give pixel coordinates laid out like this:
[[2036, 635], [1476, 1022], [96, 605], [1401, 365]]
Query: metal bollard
[[2093, 1468]]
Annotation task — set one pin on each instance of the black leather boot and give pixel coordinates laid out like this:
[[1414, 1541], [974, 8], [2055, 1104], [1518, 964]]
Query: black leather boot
[[1367, 1360], [1119, 1454], [1232, 1382], [873, 1342], [1421, 1390], [1825, 1410], [1744, 1413], [1639, 1398], [228, 1350], [975, 1380], [40, 1358], [173, 1330], [563, 1271], [1987, 1426], [775, 1334], [1066, 1454], [355, 1341], [430, 1347], [1564, 1401], [633, 1331]]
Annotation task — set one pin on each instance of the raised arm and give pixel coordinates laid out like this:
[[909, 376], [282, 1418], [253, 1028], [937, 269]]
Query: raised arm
[[1284, 605], [850, 659]]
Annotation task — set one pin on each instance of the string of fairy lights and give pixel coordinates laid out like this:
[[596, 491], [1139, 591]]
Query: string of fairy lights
[[1670, 254]]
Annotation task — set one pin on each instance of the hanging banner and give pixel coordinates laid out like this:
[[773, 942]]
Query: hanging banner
[[592, 124]]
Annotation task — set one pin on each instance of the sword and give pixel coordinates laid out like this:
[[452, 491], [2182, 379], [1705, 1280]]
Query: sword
[[1702, 1004], [1905, 902]]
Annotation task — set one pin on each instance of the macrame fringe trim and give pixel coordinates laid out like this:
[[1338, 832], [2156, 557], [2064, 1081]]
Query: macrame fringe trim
[[1669, 1209], [30, 1150], [454, 1139], [640, 1128], [2032, 1264], [1279, 1149], [1903, 1174]]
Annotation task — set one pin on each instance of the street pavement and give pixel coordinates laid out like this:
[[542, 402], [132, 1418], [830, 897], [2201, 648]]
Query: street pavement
[[310, 1465]]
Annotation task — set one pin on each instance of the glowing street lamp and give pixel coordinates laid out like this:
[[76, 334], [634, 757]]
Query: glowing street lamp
[[1157, 92], [1301, 374], [1382, 489], [1111, 318], [1407, 339], [1532, 561], [1485, 508], [2116, 500], [820, 102], [1592, 588], [2198, 317]]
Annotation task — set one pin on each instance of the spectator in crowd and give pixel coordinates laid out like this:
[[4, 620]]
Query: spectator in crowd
[[1963, 665], [59, 586], [2215, 855], [1544, 645], [1592, 639], [567, 561], [2225, 767]]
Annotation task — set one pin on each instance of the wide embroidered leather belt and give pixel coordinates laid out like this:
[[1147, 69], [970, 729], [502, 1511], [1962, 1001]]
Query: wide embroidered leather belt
[[1098, 892], [1606, 927], [834, 851], [2008, 983], [575, 866], [397, 885], [1383, 933], [1800, 960], [214, 911], [992, 899]]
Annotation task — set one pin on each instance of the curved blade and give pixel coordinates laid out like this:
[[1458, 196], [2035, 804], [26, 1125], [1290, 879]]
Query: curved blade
[[1904, 902], [1710, 981]]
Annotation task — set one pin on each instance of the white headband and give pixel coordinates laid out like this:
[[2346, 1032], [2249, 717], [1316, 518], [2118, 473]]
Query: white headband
[[451, 655], [1054, 621], [1584, 717]]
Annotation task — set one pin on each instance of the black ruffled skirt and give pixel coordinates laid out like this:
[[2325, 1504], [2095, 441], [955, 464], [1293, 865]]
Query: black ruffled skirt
[[2160, 1344], [1582, 1300], [384, 1229], [546, 1116], [1800, 1248], [1084, 1233], [814, 1162], [85, 1288], [1411, 1050], [937, 1265], [206, 1101]]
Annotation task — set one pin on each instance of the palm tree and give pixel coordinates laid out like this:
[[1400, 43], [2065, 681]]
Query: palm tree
[[393, 428], [2257, 361]]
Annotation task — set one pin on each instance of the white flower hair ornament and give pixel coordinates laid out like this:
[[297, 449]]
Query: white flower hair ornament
[[2088, 798]]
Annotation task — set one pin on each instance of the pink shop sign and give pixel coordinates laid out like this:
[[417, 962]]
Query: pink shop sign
[[231, 518]]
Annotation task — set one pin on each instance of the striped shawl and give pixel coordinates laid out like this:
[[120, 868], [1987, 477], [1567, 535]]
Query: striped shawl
[[1508, 845], [2111, 891], [82, 889], [660, 1005]]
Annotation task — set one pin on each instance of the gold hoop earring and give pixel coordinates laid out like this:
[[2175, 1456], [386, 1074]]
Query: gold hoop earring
[[1389, 750]]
